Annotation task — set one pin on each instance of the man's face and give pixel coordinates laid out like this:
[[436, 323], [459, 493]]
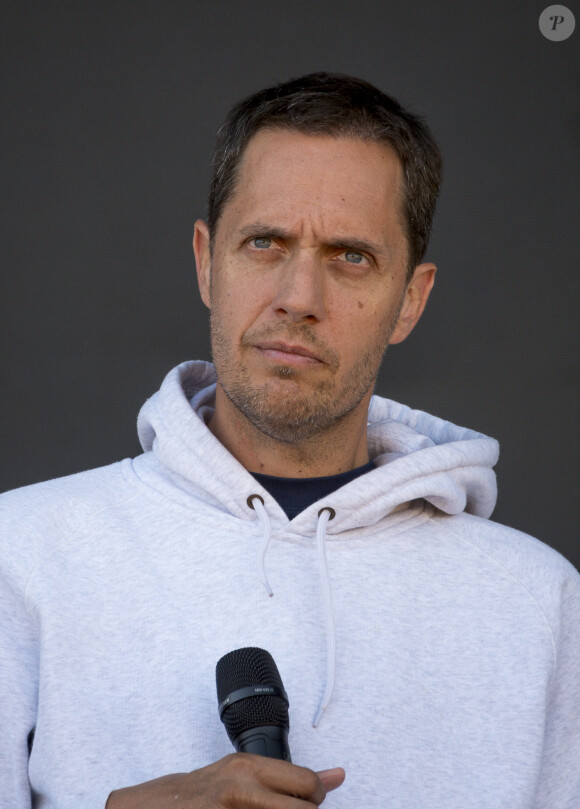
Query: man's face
[[307, 281]]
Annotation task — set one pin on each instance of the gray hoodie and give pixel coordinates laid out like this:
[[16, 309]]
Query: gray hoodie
[[432, 653]]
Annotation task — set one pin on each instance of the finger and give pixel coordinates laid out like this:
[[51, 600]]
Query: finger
[[331, 779], [289, 779]]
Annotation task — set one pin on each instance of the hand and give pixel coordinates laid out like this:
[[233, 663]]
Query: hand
[[238, 781]]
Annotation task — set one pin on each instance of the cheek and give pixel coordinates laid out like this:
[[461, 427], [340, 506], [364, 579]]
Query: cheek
[[368, 327], [237, 307]]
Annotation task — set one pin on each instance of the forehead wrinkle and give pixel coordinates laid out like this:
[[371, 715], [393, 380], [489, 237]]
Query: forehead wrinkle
[[312, 207]]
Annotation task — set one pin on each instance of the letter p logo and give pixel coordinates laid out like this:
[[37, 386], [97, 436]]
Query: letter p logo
[[557, 23]]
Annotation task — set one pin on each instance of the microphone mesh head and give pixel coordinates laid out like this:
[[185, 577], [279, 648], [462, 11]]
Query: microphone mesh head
[[241, 669]]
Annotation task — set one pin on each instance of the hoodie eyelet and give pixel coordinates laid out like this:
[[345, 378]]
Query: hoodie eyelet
[[252, 497], [330, 510]]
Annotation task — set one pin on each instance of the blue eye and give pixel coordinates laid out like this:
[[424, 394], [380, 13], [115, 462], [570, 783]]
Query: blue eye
[[262, 242], [353, 258]]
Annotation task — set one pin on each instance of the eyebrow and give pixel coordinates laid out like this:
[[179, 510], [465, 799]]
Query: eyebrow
[[346, 242], [263, 229]]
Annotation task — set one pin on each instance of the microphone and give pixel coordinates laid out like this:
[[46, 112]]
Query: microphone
[[252, 703]]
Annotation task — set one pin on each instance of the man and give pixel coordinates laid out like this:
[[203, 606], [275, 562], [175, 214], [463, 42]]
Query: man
[[428, 653]]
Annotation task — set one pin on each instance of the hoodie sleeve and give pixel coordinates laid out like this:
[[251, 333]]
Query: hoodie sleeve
[[559, 780], [18, 696]]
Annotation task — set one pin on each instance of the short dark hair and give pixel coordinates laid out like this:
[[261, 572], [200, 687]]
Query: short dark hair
[[341, 106]]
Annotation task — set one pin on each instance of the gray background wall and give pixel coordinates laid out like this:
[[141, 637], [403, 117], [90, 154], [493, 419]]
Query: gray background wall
[[109, 112]]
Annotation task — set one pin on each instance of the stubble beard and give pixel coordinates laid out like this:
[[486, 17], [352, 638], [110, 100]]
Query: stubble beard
[[280, 408]]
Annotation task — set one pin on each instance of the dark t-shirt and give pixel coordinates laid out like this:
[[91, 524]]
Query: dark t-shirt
[[296, 494]]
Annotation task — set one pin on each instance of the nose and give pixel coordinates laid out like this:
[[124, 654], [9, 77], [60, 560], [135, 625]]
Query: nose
[[300, 290]]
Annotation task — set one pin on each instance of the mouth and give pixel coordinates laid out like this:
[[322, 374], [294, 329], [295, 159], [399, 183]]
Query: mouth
[[288, 354]]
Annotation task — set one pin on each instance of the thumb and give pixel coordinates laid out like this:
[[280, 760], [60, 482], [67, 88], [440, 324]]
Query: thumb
[[331, 779]]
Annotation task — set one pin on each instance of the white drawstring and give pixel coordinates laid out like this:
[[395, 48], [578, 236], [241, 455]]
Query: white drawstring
[[324, 515], [255, 501]]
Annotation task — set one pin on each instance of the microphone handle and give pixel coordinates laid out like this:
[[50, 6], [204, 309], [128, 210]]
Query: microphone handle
[[269, 740]]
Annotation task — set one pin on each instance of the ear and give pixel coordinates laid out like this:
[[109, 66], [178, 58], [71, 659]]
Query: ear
[[414, 301], [202, 260]]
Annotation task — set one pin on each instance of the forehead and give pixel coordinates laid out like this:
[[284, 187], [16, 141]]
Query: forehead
[[295, 175]]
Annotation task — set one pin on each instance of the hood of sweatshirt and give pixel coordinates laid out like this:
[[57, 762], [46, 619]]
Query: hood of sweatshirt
[[417, 458], [416, 455]]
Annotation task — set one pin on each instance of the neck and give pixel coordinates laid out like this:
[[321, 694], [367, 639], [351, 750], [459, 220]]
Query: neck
[[339, 448]]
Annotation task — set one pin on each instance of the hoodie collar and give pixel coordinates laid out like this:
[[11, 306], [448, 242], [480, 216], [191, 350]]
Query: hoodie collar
[[416, 456]]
